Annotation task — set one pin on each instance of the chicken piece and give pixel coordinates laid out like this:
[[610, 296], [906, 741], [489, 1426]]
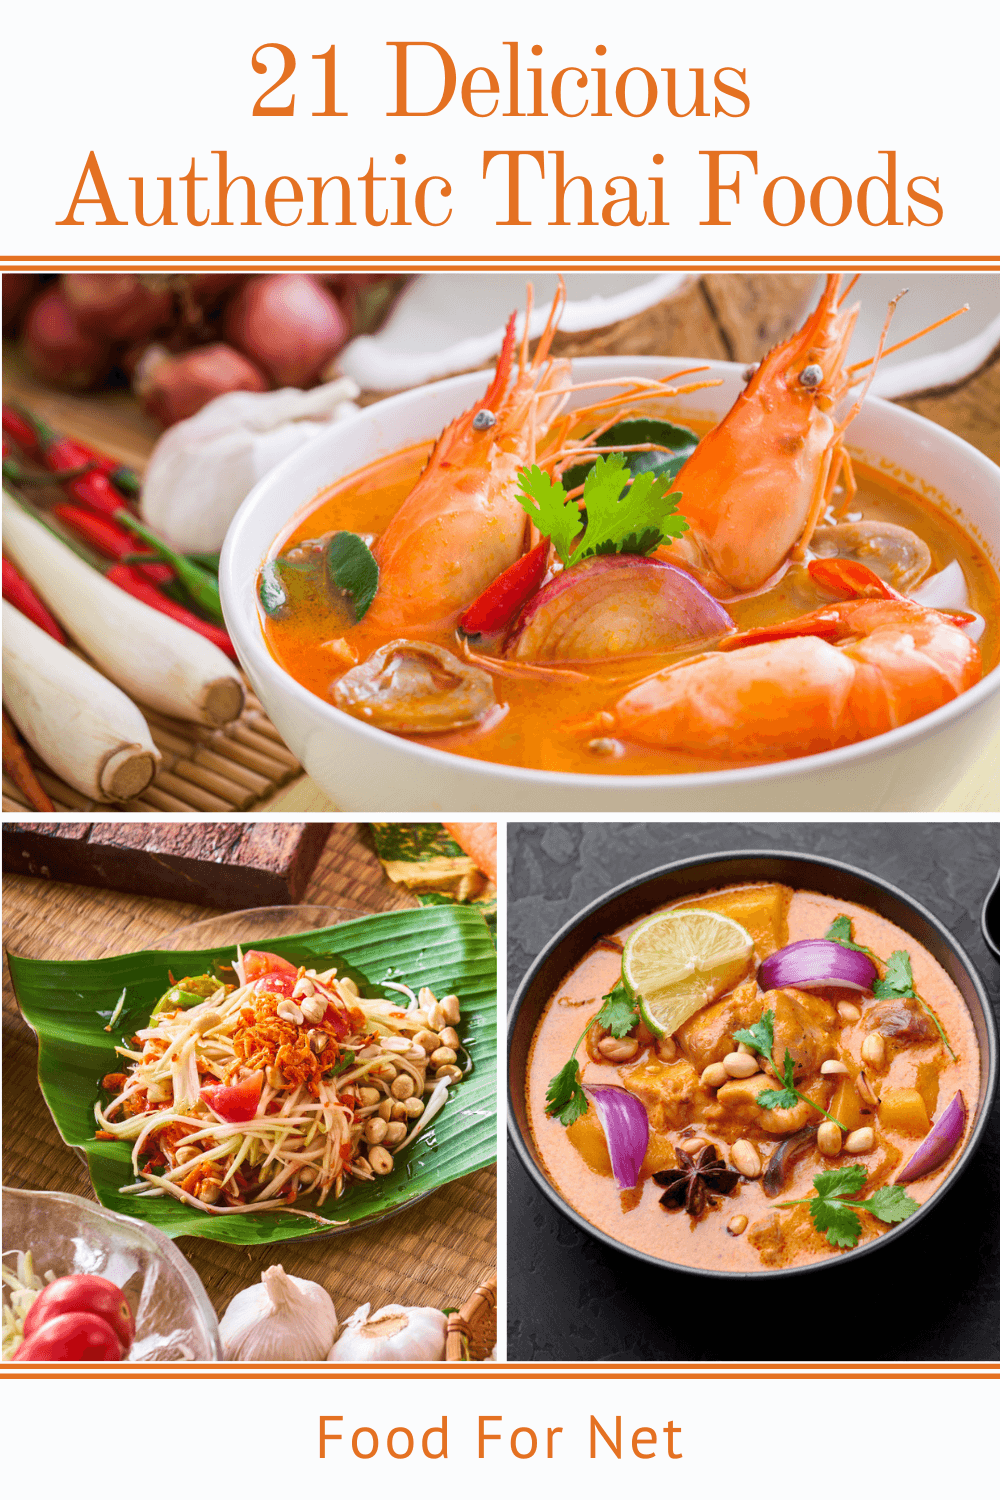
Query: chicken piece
[[805, 1025], [707, 1036], [736, 1109], [671, 1092], [783, 1235], [901, 1021]]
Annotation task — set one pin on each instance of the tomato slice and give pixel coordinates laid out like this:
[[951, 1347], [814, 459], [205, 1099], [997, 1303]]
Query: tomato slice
[[256, 963], [235, 1102], [279, 983]]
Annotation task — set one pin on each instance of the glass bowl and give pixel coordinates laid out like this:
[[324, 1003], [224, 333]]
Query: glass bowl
[[174, 1320]]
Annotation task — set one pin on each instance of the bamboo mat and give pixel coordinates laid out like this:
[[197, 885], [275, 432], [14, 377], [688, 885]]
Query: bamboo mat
[[203, 770], [434, 1254]]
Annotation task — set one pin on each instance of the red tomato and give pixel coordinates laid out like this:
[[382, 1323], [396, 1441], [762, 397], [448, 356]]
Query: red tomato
[[72, 1335], [276, 984], [235, 1102], [87, 1294], [256, 963]]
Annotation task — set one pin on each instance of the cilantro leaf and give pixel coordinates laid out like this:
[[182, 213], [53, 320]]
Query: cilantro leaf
[[837, 1220], [565, 1097], [620, 517], [619, 1013], [841, 1181], [838, 1217], [783, 1098], [891, 1204], [840, 931], [617, 515], [760, 1036], [556, 517], [898, 981]]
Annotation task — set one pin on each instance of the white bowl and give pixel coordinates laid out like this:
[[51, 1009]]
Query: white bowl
[[365, 769]]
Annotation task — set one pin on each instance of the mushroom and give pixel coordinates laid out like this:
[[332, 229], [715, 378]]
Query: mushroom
[[414, 687], [893, 552]]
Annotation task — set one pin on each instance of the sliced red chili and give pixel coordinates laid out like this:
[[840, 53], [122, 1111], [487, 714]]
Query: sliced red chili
[[498, 604]]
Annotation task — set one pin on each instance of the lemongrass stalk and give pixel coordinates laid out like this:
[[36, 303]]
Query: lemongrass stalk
[[84, 727], [149, 655]]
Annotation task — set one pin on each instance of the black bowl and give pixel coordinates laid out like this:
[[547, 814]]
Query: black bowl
[[687, 877]]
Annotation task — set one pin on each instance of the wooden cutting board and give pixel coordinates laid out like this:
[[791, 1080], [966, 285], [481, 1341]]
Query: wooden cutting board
[[435, 1253], [228, 865]]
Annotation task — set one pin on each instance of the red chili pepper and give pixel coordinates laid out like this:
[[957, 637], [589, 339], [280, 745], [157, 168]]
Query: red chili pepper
[[17, 591], [498, 604], [107, 479], [19, 430], [110, 539], [127, 578]]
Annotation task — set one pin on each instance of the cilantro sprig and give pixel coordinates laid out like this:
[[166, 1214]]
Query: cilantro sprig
[[897, 982], [836, 1209], [841, 931], [564, 1097], [760, 1037], [634, 517]]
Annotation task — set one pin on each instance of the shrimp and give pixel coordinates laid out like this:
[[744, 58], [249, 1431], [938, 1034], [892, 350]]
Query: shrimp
[[757, 485], [840, 674], [479, 841], [461, 525]]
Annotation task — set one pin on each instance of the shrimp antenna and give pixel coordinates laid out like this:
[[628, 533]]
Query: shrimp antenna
[[848, 289], [913, 336], [874, 361], [552, 323], [529, 302]]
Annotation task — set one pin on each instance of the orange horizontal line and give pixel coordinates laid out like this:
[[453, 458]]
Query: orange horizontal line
[[929, 1371]]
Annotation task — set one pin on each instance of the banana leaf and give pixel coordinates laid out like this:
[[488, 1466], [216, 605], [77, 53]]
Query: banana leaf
[[70, 1004]]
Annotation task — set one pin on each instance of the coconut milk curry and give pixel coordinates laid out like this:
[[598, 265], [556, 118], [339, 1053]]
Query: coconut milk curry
[[894, 1077]]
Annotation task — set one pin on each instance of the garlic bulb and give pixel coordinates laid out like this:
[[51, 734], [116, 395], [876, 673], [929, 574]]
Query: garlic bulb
[[394, 1333], [203, 468], [280, 1317]]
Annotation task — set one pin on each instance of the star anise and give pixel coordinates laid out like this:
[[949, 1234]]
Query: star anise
[[696, 1182]]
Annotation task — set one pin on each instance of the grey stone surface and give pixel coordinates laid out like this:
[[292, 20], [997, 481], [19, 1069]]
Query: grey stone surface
[[935, 1295]]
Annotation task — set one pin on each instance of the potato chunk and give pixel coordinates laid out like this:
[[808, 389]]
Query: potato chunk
[[904, 1109]]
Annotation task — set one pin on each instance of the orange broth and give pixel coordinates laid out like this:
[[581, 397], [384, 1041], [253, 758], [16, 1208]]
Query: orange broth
[[529, 729], [576, 1160]]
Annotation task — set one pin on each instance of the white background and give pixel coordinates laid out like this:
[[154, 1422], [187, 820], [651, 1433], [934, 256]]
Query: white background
[[830, 87]]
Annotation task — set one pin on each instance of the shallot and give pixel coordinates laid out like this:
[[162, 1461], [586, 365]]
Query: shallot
[[291, 326], [118, 307], [57, 347], [172, 387]]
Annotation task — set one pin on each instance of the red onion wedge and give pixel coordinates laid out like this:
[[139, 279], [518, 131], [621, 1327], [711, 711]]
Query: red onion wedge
[[815, 963], [626, 1126], [606, 607], [938, 1146]]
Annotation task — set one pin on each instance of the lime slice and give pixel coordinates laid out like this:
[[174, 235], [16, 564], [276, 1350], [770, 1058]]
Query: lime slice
[[679, 961]]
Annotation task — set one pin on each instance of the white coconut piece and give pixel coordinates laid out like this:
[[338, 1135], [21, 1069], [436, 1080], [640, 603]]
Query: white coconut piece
[[443, 324], [944, 357]]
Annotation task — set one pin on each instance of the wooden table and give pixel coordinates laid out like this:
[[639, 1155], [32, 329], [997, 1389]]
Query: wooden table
[[434, 1254]]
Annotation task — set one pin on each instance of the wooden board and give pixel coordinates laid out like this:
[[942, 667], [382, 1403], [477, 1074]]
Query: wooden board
[[436, 1253], [228, 865]]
